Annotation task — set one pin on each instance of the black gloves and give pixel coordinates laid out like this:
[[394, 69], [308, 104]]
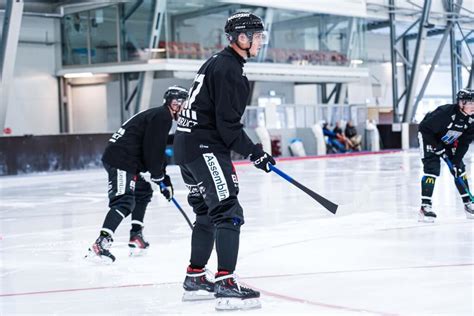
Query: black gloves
[[261, 159], [166, 187]]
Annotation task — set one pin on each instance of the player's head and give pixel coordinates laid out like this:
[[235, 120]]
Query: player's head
[[174, 98], [246, 31], [465, 98]]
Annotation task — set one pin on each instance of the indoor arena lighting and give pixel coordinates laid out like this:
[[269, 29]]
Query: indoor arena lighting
[[399, 64], [79, 75], [156, 50], [84, 75], [357, 61]]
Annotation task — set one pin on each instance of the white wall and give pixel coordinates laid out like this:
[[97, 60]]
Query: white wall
[[306, 94], [33, 101], [282, 89], [89, 108], [114, 116]]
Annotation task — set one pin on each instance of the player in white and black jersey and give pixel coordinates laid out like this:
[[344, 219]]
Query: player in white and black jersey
[[208, 129], [138, 146], [448, 130]]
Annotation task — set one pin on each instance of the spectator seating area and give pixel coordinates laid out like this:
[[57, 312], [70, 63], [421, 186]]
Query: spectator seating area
[[190, 50]]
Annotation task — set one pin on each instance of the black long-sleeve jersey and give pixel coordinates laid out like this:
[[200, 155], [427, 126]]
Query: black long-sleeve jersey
[[210, 121], [139, 145], [449, 127]]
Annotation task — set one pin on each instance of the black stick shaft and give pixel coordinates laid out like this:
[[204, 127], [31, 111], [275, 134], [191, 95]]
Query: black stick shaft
[[183, 213], [330, 206]]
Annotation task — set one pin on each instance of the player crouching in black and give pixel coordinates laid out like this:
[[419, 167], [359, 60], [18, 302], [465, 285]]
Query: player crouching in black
[[138, 146], [446, 132]]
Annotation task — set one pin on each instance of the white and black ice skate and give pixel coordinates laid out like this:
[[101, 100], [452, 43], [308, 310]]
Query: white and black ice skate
[[138, 245], [469, 209], [99, 251], [426, 214], [198, 285], [230, 295]]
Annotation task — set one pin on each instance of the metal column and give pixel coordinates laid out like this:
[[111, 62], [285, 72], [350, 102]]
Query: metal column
[[470, 81], [393, 56], [10, 36], [459, 65], [452, 46], [269, 13], [409, 113], [145, 81]]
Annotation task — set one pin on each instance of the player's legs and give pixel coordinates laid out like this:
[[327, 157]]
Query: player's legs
[[143, 195], [219, 186], [431, 170], [121, 203], [466, 199], [199, 283]]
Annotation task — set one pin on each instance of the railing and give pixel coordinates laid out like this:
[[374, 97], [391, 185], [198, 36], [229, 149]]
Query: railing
[[301, 116]]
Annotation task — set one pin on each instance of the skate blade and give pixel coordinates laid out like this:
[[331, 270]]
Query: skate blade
[[199, 295], [426, 219], [137, 252], [227, 304], [94, 258], [469, 215]]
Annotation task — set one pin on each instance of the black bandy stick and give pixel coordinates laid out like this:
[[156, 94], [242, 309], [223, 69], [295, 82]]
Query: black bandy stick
[[330, 206], [458, 179], [179, 208], [183, 213]]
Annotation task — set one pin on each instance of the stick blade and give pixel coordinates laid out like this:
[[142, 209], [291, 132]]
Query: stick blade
[[330, 206]]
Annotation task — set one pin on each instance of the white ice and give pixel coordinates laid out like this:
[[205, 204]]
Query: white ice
[[373, 257]]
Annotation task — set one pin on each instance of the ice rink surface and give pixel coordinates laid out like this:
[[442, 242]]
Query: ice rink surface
[[372, 258]]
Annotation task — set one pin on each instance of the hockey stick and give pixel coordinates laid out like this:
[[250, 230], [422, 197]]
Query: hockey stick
[[179, 208], [458, 179], [330, 206]]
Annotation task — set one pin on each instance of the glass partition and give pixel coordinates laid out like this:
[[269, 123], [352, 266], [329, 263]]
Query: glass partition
[[303, 116], [193, 29], [103, 26], [136, 29], [295, 37], [75, 30]]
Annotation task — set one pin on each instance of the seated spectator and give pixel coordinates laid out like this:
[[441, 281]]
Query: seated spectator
[[351, 134], [341, 137], [333, 144]]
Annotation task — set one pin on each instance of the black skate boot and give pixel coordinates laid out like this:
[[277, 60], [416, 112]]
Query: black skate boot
[[198, 285], [426, 214], [99, 251], [138, 245], [469, 209], [230, 295]]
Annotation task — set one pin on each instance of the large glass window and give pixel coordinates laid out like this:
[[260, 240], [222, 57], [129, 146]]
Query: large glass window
[[75, 29], [295, 37], [103, 26], [193, 29], [136, 28], [313, 39]]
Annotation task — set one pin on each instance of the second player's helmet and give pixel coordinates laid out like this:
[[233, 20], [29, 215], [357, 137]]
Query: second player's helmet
[[465, 95], [243, 22], [175, 93]]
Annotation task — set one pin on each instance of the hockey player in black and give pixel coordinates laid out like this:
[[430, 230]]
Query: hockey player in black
[[208, 129], [448, 130], [138, 146]]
